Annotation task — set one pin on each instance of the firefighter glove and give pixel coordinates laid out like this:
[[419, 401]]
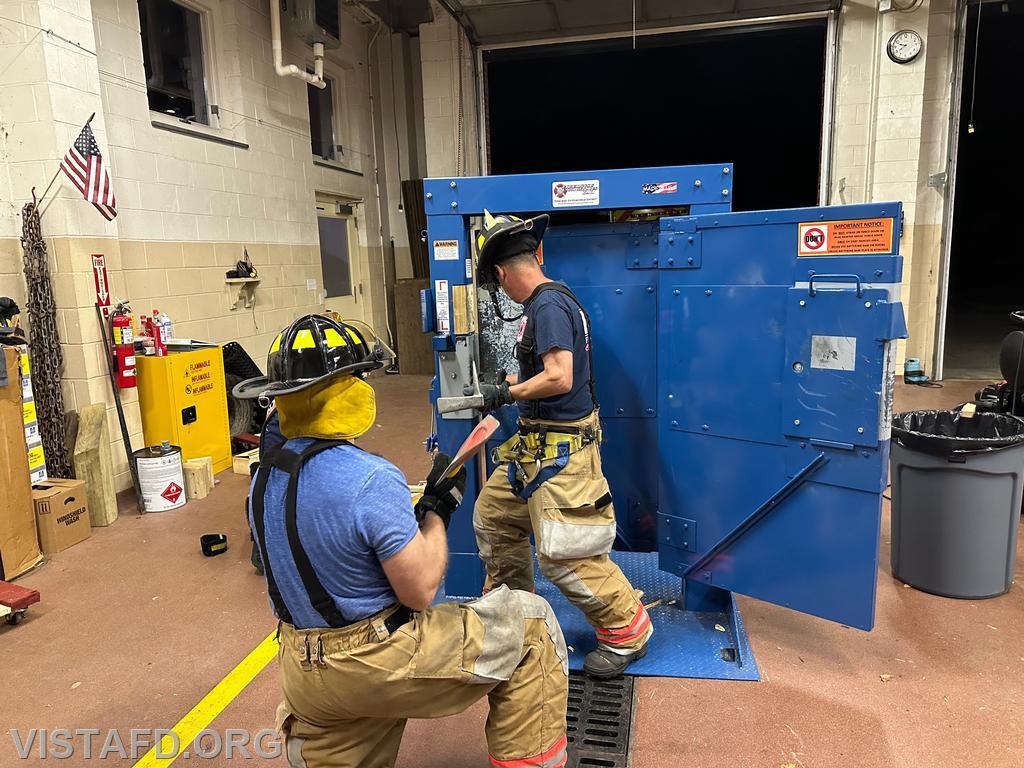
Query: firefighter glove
[[495, 396], [441, 495]]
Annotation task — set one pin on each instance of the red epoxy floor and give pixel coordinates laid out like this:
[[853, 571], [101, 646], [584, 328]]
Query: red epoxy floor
[[136, 626]]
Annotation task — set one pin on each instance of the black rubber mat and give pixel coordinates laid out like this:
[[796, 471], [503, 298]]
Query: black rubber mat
[[599, 718]]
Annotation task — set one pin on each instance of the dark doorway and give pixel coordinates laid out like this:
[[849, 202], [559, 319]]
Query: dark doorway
[[986, 270], [752, 96]]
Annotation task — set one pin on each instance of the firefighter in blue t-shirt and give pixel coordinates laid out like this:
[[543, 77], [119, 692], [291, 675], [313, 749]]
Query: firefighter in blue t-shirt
[[352, 568], [549, 481]]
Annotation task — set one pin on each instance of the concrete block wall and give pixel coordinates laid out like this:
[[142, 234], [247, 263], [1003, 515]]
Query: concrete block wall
[[890, 135], [188, 206], [441, 65], [931, 201]]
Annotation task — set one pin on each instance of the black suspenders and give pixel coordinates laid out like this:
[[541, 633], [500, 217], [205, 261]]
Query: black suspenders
[[292, 462]]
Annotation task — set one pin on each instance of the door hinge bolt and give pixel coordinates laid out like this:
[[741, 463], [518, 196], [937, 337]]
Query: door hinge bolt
[[860, 430], [430, 195], [454, 204], [689, 260], [803, 303], [796, 422], [867, 305], [696, 182]]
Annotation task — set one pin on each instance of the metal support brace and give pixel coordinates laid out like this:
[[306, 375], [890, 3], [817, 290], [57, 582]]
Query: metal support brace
[[755, 517]]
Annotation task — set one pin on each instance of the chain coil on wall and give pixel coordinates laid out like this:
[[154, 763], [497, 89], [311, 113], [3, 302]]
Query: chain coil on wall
[[47, 358]]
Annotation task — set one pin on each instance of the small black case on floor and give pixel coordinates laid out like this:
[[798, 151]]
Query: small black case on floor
[[213, 544]]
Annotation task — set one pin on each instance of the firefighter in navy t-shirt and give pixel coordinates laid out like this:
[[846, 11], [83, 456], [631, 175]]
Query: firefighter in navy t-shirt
[[549, 481]]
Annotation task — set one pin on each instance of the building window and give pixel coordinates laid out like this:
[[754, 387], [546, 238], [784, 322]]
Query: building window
[[335, 256], [172, 51], [321, 121]]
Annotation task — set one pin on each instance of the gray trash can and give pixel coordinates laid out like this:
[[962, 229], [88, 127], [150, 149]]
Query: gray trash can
[[956, 501]]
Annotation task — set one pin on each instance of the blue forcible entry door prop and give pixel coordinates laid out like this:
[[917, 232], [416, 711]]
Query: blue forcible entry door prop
[[744, 362]]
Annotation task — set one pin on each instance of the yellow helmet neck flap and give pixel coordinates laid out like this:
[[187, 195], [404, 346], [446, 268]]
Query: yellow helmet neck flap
[[341, 408]]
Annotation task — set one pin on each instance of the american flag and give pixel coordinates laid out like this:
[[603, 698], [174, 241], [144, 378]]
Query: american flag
[[83, 164]]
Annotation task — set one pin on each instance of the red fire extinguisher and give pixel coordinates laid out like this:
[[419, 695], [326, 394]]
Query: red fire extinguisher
[[124, 346]]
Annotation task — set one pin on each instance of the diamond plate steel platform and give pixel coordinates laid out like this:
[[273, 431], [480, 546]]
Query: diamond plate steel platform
[[710, 645], [685, 643]]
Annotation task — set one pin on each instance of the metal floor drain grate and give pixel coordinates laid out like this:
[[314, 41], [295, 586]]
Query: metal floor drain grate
[[599, 717]]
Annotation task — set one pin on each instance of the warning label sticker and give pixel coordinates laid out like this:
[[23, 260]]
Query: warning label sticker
[[567, 194], [442, 306], [172, 492], [446, 250], [834, 238]]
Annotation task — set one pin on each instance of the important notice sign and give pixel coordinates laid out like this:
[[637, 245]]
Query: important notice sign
[[834, 238]]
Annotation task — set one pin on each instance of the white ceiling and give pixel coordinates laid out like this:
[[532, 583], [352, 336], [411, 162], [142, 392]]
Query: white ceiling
[[500, 21]]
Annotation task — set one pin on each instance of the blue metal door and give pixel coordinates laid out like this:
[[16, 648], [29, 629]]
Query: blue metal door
[[775, 374], [744, 366]]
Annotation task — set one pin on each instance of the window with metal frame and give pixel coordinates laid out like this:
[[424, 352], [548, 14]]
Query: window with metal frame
[[335, 255], [322, 132], [172, 53]]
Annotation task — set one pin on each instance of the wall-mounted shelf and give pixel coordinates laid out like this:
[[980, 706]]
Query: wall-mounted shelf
[[241, 292]]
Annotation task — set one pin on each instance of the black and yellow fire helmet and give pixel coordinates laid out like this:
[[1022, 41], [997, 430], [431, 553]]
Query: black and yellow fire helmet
[[503, 237], [310, 350]]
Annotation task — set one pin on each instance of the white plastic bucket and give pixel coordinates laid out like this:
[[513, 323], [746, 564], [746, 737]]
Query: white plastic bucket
[[160, 477]]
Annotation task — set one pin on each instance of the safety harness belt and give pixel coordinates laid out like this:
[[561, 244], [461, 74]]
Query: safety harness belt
[[291, 462]]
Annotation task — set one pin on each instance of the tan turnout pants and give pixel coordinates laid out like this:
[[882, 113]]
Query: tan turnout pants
[[349, 691], [573, 523]]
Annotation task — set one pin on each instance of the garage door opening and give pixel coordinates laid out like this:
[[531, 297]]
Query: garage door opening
[[753, 96], [986, 271]]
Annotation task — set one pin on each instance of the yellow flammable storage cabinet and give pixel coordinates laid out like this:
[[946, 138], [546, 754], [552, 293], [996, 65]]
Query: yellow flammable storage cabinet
[[183, 399]]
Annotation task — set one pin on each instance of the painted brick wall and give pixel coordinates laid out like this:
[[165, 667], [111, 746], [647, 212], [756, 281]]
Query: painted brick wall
[[439, 53], [187, 206], [891, 134]]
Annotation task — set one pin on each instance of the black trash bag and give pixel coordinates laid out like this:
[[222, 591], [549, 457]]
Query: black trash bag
[[948, 433]]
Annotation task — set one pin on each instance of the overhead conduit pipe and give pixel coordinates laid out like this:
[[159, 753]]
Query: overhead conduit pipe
[[290, 70]]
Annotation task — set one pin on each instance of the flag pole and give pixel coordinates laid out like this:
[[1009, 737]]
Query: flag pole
[[39, 202]]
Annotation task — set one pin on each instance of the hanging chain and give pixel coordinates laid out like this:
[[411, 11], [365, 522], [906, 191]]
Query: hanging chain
[[47, 358]]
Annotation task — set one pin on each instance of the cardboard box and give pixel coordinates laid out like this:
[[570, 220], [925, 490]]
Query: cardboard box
[[62, 514], [19, 543]]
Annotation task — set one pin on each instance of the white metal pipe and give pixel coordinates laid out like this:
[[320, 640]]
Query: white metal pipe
[[376, 174], [291, 70]]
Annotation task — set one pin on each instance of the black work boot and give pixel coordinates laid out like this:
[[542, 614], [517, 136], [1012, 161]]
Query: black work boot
[[604, 664]]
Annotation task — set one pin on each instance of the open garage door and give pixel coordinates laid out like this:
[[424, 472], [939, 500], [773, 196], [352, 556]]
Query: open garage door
[[756, 95], [504, 21]]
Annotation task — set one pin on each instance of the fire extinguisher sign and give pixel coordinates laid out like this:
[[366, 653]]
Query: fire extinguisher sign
[[101, 280]]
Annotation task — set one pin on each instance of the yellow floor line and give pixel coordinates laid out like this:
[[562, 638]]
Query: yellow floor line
[[213, 703]]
